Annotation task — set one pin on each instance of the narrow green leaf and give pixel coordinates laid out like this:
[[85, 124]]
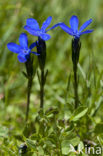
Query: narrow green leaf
[[31, 144], [80, 112]]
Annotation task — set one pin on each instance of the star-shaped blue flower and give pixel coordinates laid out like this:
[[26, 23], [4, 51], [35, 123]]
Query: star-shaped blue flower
[[33, 28], [22, 50], [73, 29]]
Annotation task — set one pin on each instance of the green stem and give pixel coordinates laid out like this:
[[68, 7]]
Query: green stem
[[29, 73], [75, 84], [28, 97], [42, 89], [76, 45]]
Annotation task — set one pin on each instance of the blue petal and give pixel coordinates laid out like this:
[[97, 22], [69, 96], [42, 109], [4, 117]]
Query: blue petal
[[45, 36], [66, 29], [22, 58], [32, 23], [74, 23], [35, 53], [14, 47], [86, 32], [54, 26], [23, 40], [46, 23], [33, 45], [31, 31], [85, 25]]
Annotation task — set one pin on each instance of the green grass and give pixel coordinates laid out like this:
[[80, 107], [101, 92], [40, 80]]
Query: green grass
[[52, 133]]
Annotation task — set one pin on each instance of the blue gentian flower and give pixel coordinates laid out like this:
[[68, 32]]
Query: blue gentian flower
[[22, 50], [33, 28], [73, 29]]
